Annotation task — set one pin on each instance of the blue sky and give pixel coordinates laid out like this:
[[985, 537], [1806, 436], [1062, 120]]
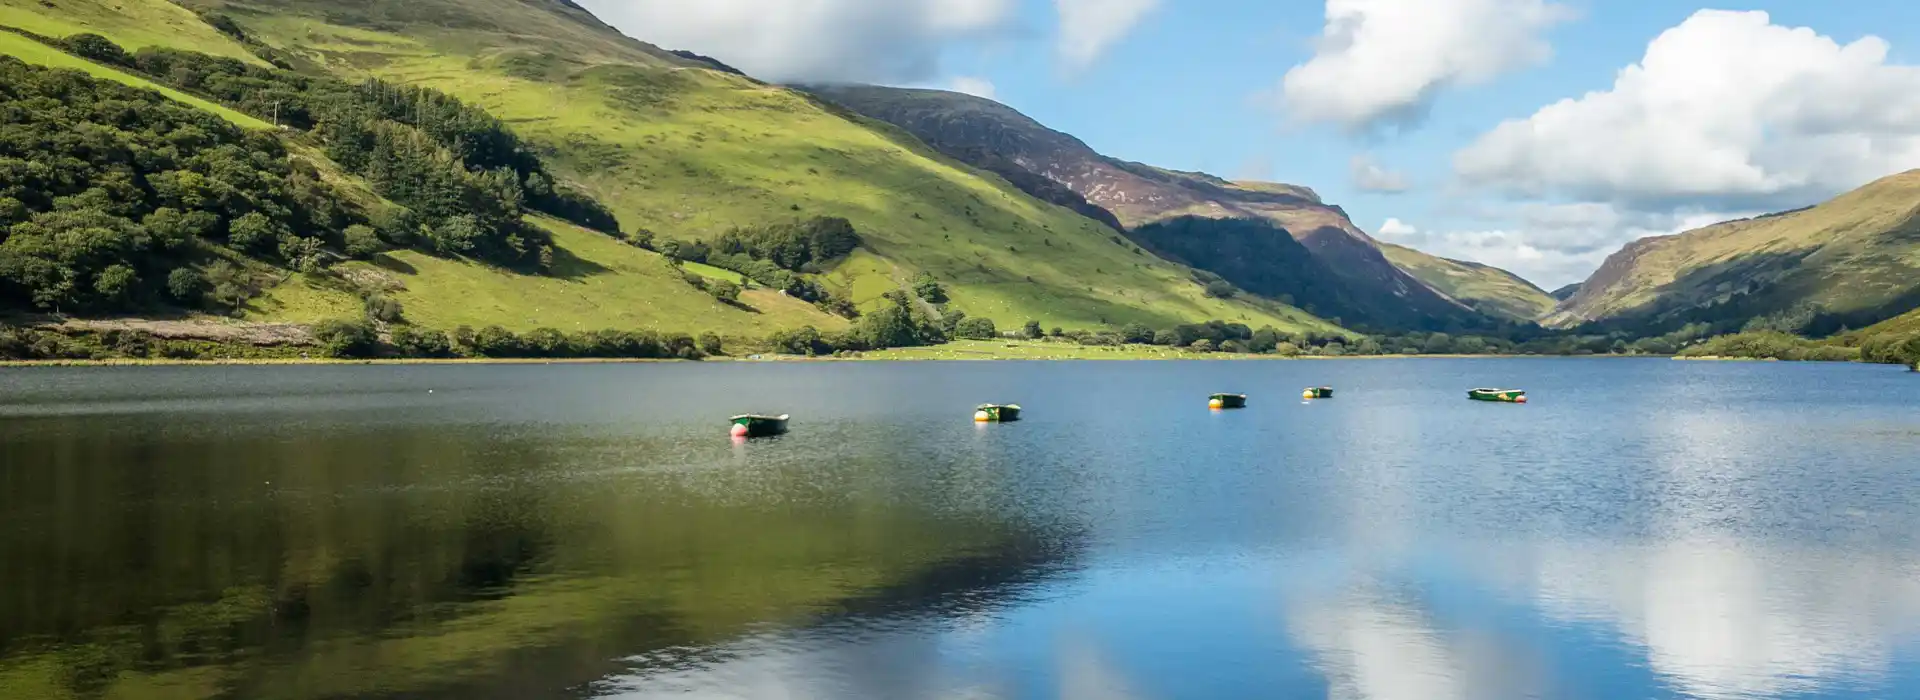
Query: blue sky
[[1738, 113]]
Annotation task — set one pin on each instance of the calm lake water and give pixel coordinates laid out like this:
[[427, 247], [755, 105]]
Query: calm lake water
[[1643, 529]]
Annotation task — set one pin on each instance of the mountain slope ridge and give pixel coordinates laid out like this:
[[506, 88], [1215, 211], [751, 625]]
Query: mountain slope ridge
[[1848, 262], [1139, 194]]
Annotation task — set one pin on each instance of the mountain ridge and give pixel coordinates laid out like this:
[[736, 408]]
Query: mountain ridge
[[1140, 194]]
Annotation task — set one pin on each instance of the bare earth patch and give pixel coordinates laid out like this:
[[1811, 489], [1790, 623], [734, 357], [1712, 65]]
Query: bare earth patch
[[208, 329]]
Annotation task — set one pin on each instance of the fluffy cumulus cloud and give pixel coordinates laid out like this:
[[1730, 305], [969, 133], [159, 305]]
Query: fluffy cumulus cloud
[[1726, 111], [1369, 176], [1382, 61], [882, 41], [1551, 245], [1088, 28]]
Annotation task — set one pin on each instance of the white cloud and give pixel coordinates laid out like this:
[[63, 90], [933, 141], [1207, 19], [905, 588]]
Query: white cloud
[[881, 41], [1397, 229], [1369, 176], [1089, 27], [1725, 111], [1382, 61], [977, 87]]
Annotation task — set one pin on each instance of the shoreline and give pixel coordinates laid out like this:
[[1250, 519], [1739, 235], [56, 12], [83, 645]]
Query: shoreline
[[778, 359]]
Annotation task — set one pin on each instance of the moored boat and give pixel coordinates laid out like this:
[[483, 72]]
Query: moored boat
[[759, 426], [1227, 401], [996, 413], [1317, 392], [1498, 395]]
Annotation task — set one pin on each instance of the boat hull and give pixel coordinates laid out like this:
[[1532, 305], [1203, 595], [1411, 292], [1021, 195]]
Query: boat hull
[[1498, 395], [997, 414], [1318, 392], [759, 426], [1227, 401]]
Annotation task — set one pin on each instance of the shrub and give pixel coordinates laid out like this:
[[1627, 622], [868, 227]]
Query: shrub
[[346, 338], [494, 341], [976, 328], [1032, 330], [382, 308], [804, 340], [361, 241], [1202, 345], [724, 291], [414, 342], [1220, 289], [929, 289], [186, 284], [710, 344]]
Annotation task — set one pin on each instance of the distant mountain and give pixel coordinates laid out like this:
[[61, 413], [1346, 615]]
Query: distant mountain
[[971, 128], [1847, 263], [1490, 290], [1565, 293]]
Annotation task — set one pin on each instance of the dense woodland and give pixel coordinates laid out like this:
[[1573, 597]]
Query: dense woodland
[[114, 198], [464, 177]]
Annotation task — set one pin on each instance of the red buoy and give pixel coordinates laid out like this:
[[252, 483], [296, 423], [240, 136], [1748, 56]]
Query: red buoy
[[739, 430]]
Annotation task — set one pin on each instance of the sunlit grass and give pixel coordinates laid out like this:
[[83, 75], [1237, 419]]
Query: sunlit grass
[[39, 54], [133, 24]]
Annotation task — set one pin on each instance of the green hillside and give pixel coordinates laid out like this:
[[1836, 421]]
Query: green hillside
[[687, 153], [1488, 289], [36, 53], [596, 281], [1847, 263], [133, 24]]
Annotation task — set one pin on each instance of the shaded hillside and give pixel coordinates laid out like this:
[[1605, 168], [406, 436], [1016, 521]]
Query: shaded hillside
[[1254, 255], [1489, 290], [1565, 293], [1139, 194], [1847, 263]]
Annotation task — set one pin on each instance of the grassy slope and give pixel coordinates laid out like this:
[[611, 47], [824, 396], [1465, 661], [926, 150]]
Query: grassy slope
[[688, 153], [36, 53], [1899, 325], [602, 283], [1490, 289], [132, 24], [1855, 253]]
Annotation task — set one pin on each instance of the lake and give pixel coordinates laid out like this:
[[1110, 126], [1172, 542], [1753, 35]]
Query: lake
[[1642, 529]]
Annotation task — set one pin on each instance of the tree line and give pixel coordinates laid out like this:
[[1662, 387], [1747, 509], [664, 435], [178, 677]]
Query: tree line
[[785, 256], [465, 178]]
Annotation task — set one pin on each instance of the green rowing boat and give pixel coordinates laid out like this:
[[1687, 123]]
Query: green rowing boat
[[759, 426], [1319, 392], [996, 413], [1498, 395], [1227, 401]]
